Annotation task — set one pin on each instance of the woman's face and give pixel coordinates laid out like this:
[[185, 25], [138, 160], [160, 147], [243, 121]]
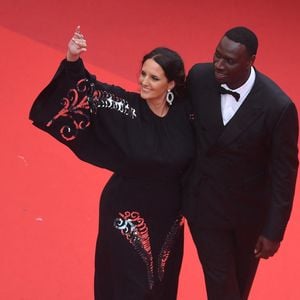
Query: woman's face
[[153, 81]]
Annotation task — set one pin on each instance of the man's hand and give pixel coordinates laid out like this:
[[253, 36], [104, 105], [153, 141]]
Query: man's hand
[[265, 248]]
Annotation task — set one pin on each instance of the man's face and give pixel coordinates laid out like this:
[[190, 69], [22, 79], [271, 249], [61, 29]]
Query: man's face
[[232, 63]]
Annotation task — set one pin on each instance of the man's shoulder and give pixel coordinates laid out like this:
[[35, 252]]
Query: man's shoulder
[[201, 71], [202, 67], [270, 88]]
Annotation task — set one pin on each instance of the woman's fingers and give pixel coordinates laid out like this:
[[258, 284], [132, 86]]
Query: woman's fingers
[[77, 29], [79, 39], [81, 43], [78, 33], [76, 45]]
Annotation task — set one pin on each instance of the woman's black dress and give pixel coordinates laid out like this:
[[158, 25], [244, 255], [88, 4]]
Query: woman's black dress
[[140, 242]]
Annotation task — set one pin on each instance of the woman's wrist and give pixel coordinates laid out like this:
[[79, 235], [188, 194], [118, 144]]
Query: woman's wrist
[[72, 57]]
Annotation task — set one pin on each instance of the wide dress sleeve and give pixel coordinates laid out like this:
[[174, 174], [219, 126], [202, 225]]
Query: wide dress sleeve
[[86, 115]]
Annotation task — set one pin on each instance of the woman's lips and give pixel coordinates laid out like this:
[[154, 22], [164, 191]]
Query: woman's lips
[[145, 90]]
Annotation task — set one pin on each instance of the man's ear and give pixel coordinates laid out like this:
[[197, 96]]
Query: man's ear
[[252, 59]]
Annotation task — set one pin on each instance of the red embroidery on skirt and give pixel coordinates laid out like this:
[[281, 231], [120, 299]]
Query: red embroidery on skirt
[[133, 227], [167, 247]]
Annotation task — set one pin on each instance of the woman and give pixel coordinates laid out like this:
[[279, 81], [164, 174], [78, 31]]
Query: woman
[[146, 140]]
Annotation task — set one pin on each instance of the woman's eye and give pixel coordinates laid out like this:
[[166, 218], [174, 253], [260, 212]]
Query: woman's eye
[[155, 78]]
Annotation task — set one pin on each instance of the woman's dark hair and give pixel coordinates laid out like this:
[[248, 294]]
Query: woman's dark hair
[[172, 64]]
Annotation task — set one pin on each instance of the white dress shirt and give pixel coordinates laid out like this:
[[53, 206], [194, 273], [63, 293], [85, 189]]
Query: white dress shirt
[[229, 105]]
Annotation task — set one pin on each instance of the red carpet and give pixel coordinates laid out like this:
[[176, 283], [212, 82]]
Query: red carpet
[[49, 211]]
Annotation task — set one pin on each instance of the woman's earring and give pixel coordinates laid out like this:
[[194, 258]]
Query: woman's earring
[[170, 97]]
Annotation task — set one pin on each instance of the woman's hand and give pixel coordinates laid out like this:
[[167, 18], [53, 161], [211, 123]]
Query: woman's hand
[[76, 45]]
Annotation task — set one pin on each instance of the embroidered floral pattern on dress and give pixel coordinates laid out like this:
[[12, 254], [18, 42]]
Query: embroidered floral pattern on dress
[[75, 111], [133, 227], [167, 247], [81, 102]]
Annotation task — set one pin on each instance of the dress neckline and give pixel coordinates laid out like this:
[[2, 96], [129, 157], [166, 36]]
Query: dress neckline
[[151, 112]]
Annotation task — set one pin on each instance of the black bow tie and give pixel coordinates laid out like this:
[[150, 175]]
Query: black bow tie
[[225, 91]]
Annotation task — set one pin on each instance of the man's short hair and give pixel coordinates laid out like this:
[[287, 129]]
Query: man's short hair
[[244, 36]]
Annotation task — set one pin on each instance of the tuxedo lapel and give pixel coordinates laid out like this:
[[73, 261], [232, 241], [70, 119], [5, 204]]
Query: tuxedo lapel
[[247, 114], [211, 120]]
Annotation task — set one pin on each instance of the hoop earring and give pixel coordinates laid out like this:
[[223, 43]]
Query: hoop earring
[[170, 97]]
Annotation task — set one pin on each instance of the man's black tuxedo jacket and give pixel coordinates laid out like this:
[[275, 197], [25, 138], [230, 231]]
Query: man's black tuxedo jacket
[[245, 172]]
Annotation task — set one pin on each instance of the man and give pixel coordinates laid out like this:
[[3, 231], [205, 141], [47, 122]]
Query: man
[[241, 189]]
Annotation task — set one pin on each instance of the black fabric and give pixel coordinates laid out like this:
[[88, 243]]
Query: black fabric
[[111, 128], [246, 171], [244, 175], [228, 261]]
